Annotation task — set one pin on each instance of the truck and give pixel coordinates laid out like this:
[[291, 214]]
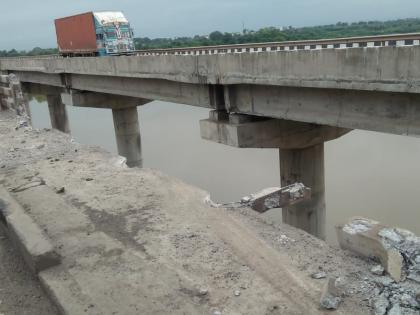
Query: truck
[[94, 34]]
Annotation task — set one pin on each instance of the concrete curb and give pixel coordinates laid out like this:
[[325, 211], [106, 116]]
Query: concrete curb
[[34, 245]]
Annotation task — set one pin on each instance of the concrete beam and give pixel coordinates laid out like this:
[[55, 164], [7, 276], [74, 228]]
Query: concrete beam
[[101, 100], [41, 89], [127, 133], [392, 69], [305, 166], [271, 133], [396, 113], [152, 89]]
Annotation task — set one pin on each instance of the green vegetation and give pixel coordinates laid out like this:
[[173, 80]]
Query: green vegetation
[[267, 34], [37, 51], [272, 34]]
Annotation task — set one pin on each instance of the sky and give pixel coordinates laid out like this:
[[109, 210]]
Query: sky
[[26, 23]]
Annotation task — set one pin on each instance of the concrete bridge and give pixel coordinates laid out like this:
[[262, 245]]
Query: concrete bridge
[[294, 100]]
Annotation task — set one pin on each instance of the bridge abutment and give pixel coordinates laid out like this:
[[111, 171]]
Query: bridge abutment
[[58, 113], [127, 133]]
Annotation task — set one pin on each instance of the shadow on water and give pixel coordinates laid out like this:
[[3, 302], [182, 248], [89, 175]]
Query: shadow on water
[[367, 174]]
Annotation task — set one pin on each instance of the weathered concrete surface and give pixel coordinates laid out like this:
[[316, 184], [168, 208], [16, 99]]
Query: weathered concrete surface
[[35, 247], [135, 241], [374, 88], [270, 133], [127, 134], [305, 166], [393, 69], [58, 113]]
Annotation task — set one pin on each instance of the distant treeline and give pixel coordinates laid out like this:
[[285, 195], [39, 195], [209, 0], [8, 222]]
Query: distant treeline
[[37, 51], [273, 34], [267, 34]]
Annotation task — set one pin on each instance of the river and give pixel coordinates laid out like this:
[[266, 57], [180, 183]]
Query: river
[[367, 173]]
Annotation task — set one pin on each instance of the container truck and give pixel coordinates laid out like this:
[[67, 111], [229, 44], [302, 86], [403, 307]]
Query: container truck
[[94, 34]]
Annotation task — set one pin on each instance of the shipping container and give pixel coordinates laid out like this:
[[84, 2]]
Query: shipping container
[[94, 34]]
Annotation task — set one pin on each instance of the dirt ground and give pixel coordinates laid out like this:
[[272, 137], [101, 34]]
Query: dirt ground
[[135, 241]]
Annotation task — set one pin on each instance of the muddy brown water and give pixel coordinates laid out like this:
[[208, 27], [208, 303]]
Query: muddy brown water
[[367, 173]]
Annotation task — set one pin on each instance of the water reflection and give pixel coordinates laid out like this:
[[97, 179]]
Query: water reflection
[[367, 174]]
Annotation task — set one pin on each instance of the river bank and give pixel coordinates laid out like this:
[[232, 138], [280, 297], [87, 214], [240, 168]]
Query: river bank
[[138, 241]]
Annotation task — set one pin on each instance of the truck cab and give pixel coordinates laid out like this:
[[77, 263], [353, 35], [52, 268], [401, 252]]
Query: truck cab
[[114, 36]]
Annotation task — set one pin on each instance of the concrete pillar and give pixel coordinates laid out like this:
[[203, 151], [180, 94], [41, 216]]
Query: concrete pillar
[[305, 166], [58, 113], [127, 132]]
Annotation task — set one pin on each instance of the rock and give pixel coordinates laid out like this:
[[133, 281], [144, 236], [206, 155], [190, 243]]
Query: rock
[[60, 190], [203, 291], [408, 300], [319, 275], [377, 270], [418, 296], [217, 313], [330, 298], [395, 310], [237, 293], [89, 179], [380, 305], [330, 302], [415, 276], [41, 146]]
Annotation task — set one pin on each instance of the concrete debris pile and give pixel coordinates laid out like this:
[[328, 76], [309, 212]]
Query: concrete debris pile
[[269, 198], [398, 252], [393, 299]]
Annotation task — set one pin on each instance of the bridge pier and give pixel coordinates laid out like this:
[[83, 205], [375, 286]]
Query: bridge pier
[[58, 113], [124, 113], [301, 150], [305, 166], [127, 133]]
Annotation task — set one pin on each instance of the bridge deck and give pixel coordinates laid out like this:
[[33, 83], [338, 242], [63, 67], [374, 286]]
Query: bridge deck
[[373, 88]]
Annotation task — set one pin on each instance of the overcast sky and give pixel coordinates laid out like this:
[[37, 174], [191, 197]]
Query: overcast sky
[[29, 23]]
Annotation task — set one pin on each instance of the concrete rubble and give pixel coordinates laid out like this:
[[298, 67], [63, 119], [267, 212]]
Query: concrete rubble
[[398, 251]]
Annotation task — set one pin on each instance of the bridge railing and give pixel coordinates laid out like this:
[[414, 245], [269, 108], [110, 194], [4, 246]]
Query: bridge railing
[[335, 43], [395, 40]]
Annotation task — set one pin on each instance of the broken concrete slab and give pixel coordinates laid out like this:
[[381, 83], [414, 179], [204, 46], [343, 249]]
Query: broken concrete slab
[[362, 236], [269, 198], [272, 198], [397, 249], [36, 248]]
